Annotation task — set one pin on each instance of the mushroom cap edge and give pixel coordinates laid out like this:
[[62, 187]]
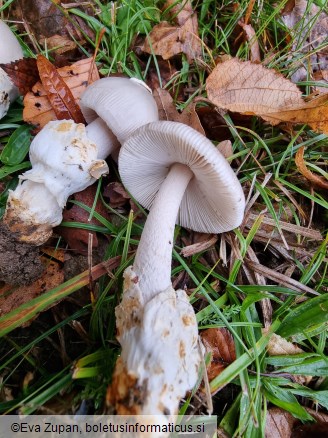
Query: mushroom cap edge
[[214, 201]]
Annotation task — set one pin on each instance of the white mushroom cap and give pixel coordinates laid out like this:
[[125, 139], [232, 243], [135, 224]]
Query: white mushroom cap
[[213, 201], [124, 104], [10, 51]]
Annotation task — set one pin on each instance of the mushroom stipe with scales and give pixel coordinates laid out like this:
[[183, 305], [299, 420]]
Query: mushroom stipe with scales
[[181, 177]]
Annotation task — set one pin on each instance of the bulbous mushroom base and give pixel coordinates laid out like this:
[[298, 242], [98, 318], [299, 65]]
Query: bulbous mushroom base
[[160, 356], [27, 232], [31, 213]]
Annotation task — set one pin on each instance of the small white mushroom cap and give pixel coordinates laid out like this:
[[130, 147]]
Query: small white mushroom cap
[[124, 104], [10, 51], [213, 201], [64, 161], [159, 351]]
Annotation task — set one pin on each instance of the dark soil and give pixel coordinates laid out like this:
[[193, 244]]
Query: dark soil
[[20, 263]]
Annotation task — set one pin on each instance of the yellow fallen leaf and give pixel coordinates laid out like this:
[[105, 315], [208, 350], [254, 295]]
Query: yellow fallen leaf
[[253, 89]]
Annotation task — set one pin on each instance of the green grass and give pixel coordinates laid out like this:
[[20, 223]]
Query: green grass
[[225, 293]]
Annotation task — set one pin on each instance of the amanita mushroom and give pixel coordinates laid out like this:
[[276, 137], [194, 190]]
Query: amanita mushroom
[[182, 178], [10, 51], [67, 157]]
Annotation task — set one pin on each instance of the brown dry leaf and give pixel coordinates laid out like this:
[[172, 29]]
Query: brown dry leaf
[[59, 94], [23, 73], [312, 177], [250, 88], [167, 111], [282, 424], [321, 77], [320, 417], [165, 104], [190, 117], [13, 297], [37, 108], [225, 147], [165, 68], [78, 238], [117, 194], [316, 430], [278, 346], [169, 40], [204, 242], [219, 342], [60, 43], [279, 423], [250, 36], [313, 113], [43, 19]]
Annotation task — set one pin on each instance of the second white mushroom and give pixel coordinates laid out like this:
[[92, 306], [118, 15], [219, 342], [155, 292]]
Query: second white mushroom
[[67, 157]]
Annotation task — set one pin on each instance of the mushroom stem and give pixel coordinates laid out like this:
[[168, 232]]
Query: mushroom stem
[[153, 259], [102, 136], [10, 51]]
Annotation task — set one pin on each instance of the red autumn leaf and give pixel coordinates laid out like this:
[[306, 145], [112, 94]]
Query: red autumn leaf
[[220, 343], [23, 73], [59, 94]]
